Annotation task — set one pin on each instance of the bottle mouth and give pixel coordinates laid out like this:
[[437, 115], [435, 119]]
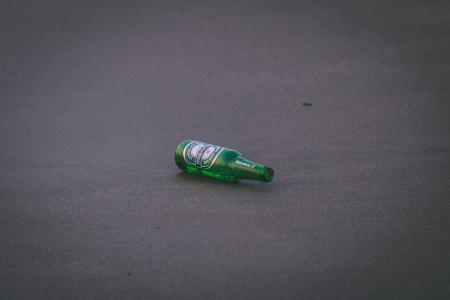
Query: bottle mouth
[[268, 174]]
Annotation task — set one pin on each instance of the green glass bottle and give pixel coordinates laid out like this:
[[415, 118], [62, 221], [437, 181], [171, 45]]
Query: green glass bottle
[[218, 162]]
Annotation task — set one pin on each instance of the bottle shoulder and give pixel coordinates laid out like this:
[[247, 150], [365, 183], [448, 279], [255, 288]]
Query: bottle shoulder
[[229, 154]]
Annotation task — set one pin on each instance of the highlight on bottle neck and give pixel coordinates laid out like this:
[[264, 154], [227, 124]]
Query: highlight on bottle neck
[[251, 170]]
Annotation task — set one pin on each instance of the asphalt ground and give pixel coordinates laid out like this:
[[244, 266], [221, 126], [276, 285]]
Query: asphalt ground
[[348, 102]]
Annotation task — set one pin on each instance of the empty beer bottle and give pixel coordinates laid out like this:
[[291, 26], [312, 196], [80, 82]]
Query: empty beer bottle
[[218, 162]]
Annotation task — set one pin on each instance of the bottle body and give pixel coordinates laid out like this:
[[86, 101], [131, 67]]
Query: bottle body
[[218, 162]]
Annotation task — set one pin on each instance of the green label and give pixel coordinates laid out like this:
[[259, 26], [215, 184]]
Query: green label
[[201, 155]]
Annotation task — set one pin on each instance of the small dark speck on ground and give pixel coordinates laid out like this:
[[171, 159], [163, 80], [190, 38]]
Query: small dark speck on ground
[[129, 273], [306, 104]]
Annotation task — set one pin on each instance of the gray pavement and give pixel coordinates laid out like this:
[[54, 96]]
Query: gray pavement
[[95, 96]]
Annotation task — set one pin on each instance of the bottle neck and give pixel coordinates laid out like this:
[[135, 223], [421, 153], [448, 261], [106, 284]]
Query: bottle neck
[[247, 169]]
